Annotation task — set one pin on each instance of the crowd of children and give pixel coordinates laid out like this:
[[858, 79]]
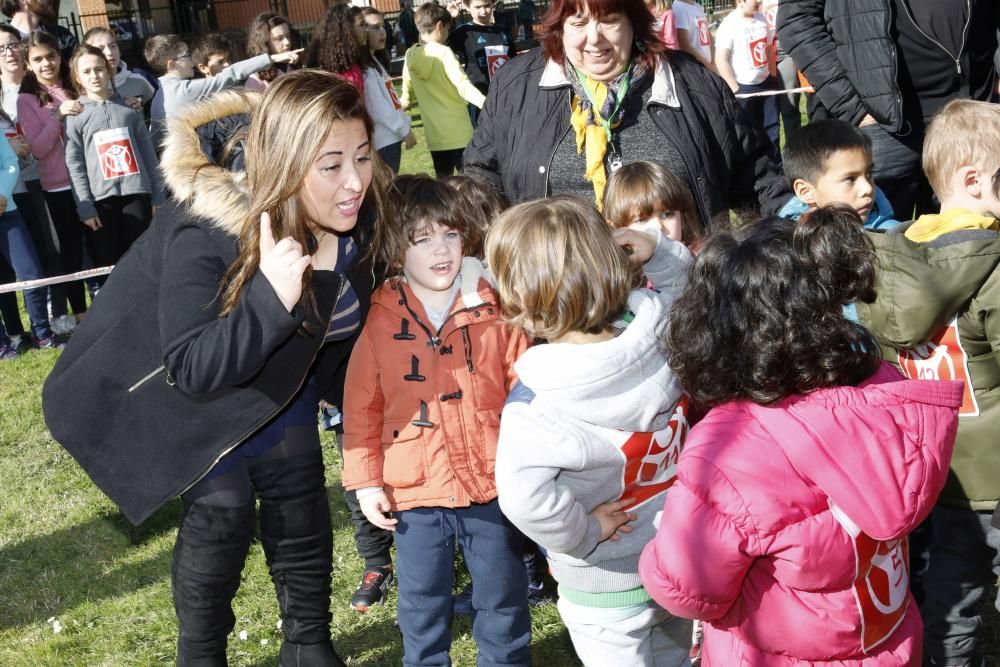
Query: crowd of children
[[740, 428]]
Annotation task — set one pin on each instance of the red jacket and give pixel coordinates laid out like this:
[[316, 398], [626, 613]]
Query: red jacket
[[422, 408]]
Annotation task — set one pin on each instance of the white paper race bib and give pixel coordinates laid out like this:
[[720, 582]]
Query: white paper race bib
[[496, 57], [116, 153]]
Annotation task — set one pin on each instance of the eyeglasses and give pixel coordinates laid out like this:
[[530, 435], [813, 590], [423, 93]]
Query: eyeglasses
[[10, 47], [186, 54]]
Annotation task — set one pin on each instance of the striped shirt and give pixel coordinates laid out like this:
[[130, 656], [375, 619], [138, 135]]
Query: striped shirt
[[346, 317]]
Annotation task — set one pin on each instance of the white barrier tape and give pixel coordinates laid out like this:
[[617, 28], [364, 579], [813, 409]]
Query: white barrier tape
[[768, 93], [55, 280]]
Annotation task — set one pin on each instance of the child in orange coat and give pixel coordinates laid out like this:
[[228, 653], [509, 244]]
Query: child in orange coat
[[427, 380]]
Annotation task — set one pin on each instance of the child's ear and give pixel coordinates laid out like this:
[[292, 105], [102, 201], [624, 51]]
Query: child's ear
[[805, 191], [205, 72], [969, 179]]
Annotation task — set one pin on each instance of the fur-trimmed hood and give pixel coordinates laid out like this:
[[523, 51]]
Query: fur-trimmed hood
[[195, 140]]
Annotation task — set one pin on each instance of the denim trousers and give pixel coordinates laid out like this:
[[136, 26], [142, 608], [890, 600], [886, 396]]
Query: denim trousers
[[763, 111], [426, 539], [18, 249], [963, 560]]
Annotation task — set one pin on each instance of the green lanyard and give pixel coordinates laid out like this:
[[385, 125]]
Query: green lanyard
[[622, 91]]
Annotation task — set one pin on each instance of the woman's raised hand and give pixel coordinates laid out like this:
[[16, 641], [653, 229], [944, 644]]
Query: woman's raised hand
[[290, 57], [282, 263]]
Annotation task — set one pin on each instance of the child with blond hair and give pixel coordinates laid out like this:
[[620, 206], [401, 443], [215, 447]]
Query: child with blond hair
[[591, 432], [939, 291]]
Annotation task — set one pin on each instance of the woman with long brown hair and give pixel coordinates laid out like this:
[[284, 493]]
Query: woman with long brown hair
[[256, 283]]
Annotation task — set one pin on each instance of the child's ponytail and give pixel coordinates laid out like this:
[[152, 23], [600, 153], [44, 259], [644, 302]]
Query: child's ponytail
[[832, 241]]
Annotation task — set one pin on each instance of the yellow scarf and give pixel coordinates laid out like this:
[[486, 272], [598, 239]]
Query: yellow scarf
[[592, 136], [929, 227]]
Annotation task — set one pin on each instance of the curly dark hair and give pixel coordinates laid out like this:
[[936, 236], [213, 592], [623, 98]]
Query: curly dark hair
[[336, 49], [762, 316]]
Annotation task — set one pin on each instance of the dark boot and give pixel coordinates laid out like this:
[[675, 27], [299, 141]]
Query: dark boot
[[297, 538], [209, 554]]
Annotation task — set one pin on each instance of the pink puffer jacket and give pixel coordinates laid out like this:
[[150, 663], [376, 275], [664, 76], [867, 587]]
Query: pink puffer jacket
[[786, 529]]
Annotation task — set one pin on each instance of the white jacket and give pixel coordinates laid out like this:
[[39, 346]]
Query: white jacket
[[392, 124]]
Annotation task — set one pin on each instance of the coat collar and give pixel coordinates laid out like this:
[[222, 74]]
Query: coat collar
[[209, 190], [664, 90]]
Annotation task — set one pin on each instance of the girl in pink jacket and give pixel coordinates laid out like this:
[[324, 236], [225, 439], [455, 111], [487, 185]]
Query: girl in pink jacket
[[786, 530]]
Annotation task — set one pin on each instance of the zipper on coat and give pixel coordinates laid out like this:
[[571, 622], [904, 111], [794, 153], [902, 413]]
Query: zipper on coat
[[149, 376], [552, 156], [965, 34], [271, 414], [894, 53]]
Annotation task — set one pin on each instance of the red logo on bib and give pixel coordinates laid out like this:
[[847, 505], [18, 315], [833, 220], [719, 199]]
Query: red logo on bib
[[942, 358], [651, 458], [115, 153], [496, 57], [758, 52], [881, 582], [392, 94], [704, 37]]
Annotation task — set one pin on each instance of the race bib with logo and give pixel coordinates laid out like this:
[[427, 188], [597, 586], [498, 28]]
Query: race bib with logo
[[942, 358], [496, 57], [704, 37], [651, 458], [116, 153], [881, 582], [758, 52], [392, 93]]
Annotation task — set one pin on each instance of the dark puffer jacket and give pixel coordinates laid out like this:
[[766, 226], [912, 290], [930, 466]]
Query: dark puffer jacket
[[523, 122], [845, 49]]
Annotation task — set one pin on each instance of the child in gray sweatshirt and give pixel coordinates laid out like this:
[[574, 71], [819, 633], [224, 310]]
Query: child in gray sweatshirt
[[590, 436], [111, 161]]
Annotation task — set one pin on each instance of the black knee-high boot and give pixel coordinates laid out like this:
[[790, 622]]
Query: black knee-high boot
[[209, 554], [297, 538]]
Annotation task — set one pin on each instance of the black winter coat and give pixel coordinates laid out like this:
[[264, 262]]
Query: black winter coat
[[522, 124], [847, 51], [154, 386]]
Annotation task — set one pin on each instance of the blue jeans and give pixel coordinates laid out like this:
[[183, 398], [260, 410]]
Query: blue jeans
[[18, 249], [426, 538], [963, 553], [392, 155]]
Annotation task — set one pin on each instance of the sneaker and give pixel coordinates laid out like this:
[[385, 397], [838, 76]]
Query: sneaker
[[7, 351], [537, 595], [50, 342], [461, 603], [373, 589], [64, 324]]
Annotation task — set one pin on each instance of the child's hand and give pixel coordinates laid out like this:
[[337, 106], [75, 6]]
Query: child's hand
[[70, 108], [374, 507], [282, 263], [94, 223], [454, 8], [639, 245], [612, 519], [19, 145], [134, 102], [290, 57], [3, 204], [410, 140]]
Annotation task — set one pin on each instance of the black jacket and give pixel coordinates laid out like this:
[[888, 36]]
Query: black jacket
[[522, 124], [154, 386], [847, 51]]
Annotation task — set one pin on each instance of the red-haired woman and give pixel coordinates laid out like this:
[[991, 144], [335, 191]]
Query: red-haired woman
[[603, 92]]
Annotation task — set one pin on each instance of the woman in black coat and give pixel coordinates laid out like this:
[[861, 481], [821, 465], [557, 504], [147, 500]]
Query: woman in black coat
[[662, 107], [192, 375]]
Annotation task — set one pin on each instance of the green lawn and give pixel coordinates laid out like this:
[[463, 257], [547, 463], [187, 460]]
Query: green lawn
[[80, 586]]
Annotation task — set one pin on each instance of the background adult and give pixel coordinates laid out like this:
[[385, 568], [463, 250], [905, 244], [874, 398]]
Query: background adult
[[603, 81], [888, 66], [29, 16], [193, 376]]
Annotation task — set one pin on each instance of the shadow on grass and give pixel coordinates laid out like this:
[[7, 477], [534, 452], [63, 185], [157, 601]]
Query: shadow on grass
[[45, 575]]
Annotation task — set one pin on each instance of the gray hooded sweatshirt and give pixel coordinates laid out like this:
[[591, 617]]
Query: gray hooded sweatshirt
[[592, 423], [109, 154]]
